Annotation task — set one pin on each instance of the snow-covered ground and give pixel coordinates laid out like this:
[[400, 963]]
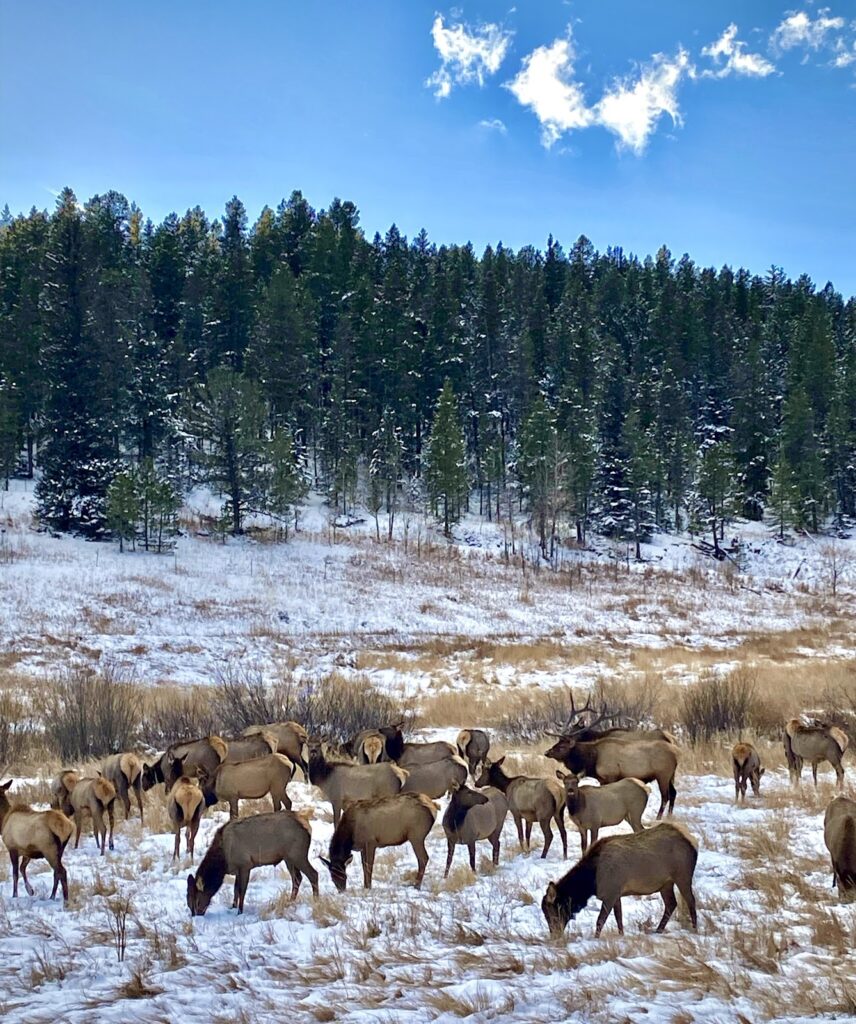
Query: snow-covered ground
[[774, 941]]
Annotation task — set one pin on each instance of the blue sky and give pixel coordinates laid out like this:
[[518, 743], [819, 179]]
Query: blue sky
[[557, 117]]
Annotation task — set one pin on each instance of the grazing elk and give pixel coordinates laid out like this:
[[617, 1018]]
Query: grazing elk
[[436, 778], [746, 765], [290, 737], [367, 825], [340, 781], [93, 797], [247, 843], [32, 835], [654, 860], [184, 807], [473, 746], [473, 815], [814, 743], [839, 834], [592, 808], [529, 800], [249, 780], [125, 771]]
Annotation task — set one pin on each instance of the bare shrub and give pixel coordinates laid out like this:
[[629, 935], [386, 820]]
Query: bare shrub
[[16, 731], [88, 714], [118, 910], [636, 702], [719, 703], [177, 714]]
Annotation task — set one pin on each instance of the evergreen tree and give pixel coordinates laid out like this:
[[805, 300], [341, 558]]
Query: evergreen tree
[[716, 486], [385, 470], [124, 507], [542, 465], [287, 485], [784, 497], [446, 466]]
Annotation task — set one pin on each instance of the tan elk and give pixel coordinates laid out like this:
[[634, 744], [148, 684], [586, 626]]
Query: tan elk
[[33, 835], [436, 778], [246, 748], [839, 834], [185, 806], [473, 746], [592, 808], [473, 815], [340, 781], [407, 754], [125, 771], [249, 780], [369, 825], [61, 788], [184, 758], [746, 765], [93, 798], [814, 743], [654, 860], [529, 800], [368, 747], [290, 737], [247, 843]]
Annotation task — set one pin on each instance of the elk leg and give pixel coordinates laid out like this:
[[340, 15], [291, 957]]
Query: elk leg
[[605, 911], [78, 825], [673, 793], [233, 808], [235, 894], [176, 850], [138, 794], [839, 775], [13, 857], [528, 829], [472, 848], [814, 772], [686, 890], [111, 817], [669, 903], [296, 879], [421, 859], [619, 920], [449, 855], [560, 821], [664, 799], [736, 786], [518, 823], [494, 842], [548, 836], [242, 880], [30, 890], [368, 866]]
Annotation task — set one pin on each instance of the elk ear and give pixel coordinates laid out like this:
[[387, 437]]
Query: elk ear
[[191, 881], [326, 862], [551, 893], [560, 775], [761, 772], [499, 760], [200, 885]]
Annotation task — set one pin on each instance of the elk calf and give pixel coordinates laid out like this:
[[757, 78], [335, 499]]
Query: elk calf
[[746, 765], [529, 800], [30, 835], [184, 807], [592, 808], [654, 860], [473, 815], [367, 825], [839, 834], [247, 843], [92, 797]]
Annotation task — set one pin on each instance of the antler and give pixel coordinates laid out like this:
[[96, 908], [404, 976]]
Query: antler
[[574, 724]]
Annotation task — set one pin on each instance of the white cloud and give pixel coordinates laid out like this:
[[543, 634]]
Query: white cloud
[[467, 54], [546, 84], [494, 124], [844, 55], [729, 54], [632, 109], [800, 30]]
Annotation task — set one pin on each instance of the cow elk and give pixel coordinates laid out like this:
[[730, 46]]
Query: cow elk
[[249, 780], [839, 834], [93, 798], [32, 835], [473, 815], [368, 825], [247, 843], [61, 788], [341, 781], [473, 746], [529, 800], [184, 807], [592, 808], [746, 765], [125, 771], [814, 743], [654, 860], [436, 778], [290, 737]]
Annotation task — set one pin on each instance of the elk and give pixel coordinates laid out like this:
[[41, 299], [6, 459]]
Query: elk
[[746, 765], [340, 781], [436, 778], [592, 808], [32, 835], [814, 743], [390, 737], [368, 747], [183, 758], [93, 797], [529, 800], [184, 807], [247, 843], [367, 825], [473, 746], [654, 860], [246, 748], [572, 728], [61, 787], [125, 771], [407, 754], [839, 834], [290, 737], [249, 780], [473, 815]]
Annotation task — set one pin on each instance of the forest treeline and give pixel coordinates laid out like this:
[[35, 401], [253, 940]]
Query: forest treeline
[[598, 390]]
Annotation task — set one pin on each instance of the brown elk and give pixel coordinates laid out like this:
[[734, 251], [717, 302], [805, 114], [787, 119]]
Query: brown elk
[[368, 825], [592, 808], [249, 780], [839, 834], [32, 835], [92, 798], [246, 748], [529, 800], [746, 765], [436, 778], [184, 758], [473, 746], [654, 860], [340, 781], [473, 815], [814, 743], [573, 727], [61, 787], [184, 807], [368, 747], [290, 737], [390, 736], [247, 843], [125, 771]]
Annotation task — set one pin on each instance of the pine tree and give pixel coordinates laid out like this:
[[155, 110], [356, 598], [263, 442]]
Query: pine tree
[[124, 507], [446, 466], [286, 484], [784, 497], [385, 470], [716, 486], [10, 437], [636, 444], [541, 465]]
